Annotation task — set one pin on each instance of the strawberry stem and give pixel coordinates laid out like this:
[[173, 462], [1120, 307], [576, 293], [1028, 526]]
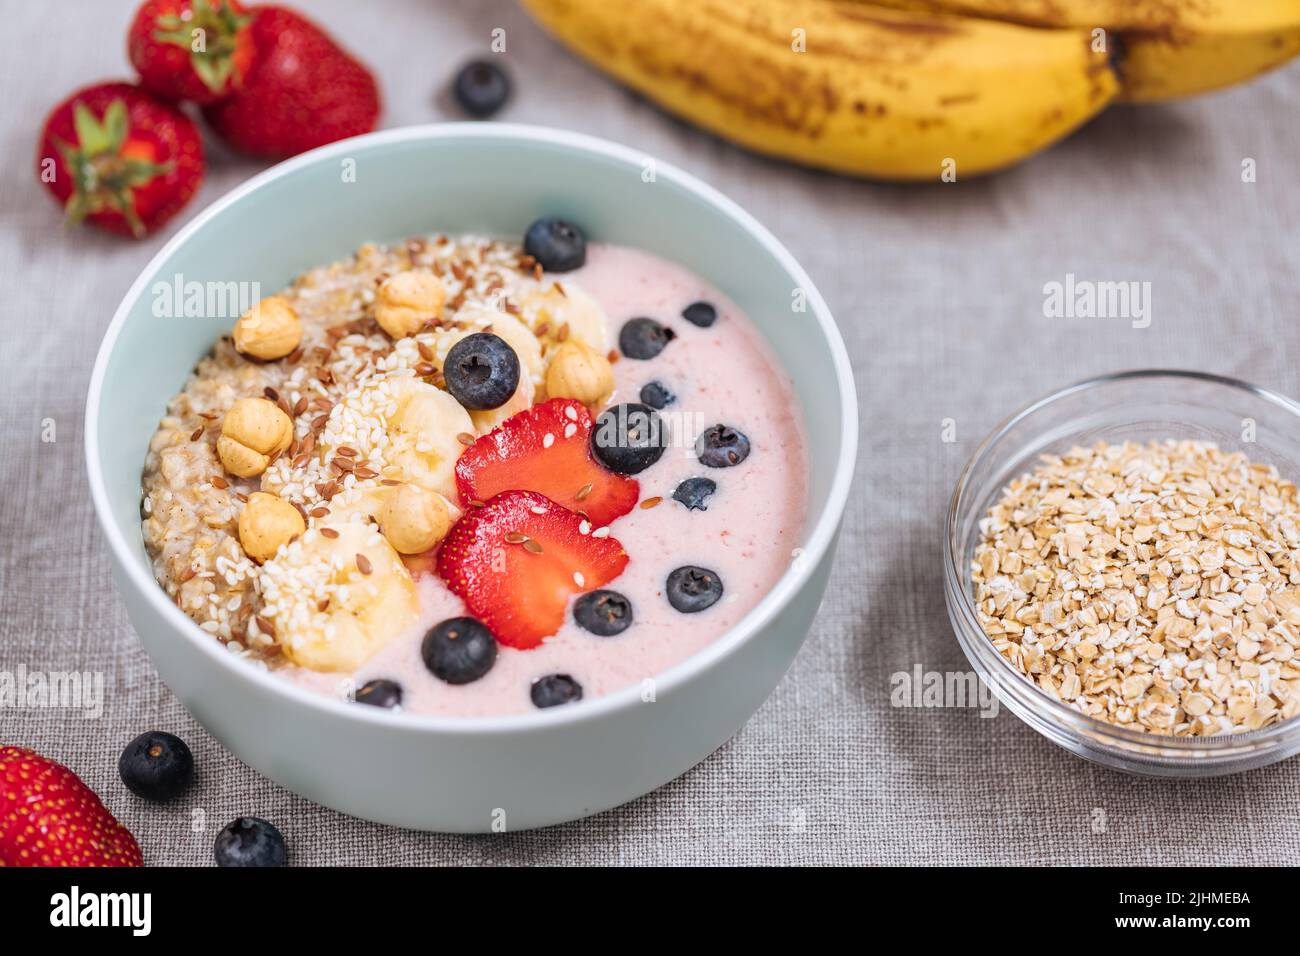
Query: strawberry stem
[[210, 33], [103, 179]]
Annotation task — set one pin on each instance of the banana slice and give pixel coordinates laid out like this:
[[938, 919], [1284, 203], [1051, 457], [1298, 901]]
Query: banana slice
[[563, 306], [485, 421], [418, 440], [335, 599]]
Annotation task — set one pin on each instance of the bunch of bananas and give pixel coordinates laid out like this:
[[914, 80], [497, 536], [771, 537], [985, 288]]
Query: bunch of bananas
[[918, 89]]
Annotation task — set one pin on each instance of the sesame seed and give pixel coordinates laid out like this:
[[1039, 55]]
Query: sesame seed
[[600, 533], [329, 532], [197, 433], [363, 564], [532, 546], [651, 502], [570, 429], [515, 537], [548, 440], [466, 439], [579, 580], [570, 413]]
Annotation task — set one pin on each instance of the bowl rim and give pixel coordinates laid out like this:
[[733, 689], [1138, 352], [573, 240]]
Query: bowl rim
[[1119, 741], [819, 537]]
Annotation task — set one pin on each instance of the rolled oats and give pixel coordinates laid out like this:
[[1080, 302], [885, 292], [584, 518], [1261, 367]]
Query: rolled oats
[[1155, 587]]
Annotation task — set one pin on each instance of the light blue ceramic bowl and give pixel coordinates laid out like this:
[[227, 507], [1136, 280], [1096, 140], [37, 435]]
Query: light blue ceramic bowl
[[482, 773]]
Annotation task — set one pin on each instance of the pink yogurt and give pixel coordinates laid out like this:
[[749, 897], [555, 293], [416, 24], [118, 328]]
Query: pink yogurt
[[722, 374]]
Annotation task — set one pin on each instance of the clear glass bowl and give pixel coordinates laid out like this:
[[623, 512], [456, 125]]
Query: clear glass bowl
[[1136, 406]]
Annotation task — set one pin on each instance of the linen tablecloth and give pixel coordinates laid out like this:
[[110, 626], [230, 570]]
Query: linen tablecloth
[[939, 292]]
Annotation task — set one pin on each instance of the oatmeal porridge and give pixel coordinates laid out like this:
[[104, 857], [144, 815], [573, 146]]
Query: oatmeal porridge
[[467, 476]]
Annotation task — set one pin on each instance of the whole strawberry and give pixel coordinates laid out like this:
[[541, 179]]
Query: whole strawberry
[[196, 50], [119, 157], [302, 91], [48, 817]]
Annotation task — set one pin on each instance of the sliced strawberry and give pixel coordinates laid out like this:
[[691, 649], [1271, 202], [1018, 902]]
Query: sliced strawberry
[[48, 817], [546, 448], [517, 560]]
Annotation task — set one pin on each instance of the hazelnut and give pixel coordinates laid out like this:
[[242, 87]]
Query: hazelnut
[[407, 300], [580, 372], [254, 431], [266, 523], [414, 519], [269, 330]]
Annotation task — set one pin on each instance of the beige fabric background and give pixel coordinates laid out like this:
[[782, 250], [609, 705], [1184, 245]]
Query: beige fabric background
[[939, 292]]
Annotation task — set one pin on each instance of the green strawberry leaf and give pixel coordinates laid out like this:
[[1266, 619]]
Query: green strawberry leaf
[[92, 138], [116, 125]]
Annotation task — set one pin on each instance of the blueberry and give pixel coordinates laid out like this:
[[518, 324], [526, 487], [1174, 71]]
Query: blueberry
[[459, 650], [691, 588], [643, 338], [557, 245], [555, 689], [603, 613], [156, 766], [656, 394], [482, 371], [481, 88], [249, 841], [702, 314], [693, 492], [628, 438], [721, 447], [380, 693]]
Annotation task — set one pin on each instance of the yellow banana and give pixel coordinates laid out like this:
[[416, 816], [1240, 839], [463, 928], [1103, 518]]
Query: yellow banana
[[1170, 48], [844, 85], [368, 596]]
